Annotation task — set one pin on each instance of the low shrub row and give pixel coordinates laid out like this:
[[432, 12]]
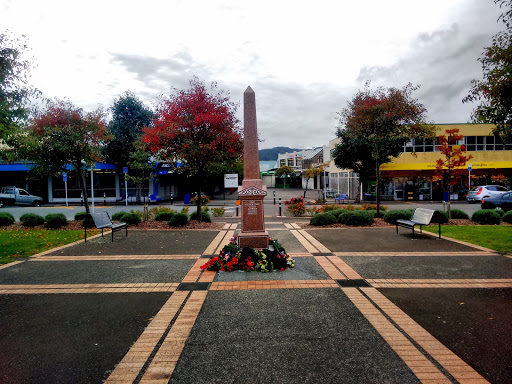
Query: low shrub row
[[51, 220], [354, 218], [366, 217]]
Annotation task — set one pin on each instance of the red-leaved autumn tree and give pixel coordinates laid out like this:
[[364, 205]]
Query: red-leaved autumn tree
[[454, 159], [198, 128], [63, 134]]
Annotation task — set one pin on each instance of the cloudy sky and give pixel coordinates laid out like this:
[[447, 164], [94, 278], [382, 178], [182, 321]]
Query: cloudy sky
[[304, 59]]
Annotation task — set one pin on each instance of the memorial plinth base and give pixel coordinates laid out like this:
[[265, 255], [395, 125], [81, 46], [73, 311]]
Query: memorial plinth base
[[253, 234], [253, 240]]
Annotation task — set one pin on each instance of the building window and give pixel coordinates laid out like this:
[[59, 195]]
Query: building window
[[290, 162], [320, 159], [282, 162]]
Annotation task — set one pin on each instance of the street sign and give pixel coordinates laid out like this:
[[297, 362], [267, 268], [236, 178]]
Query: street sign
[[125, 169], [64, 176], [231, 180], [470, 166]]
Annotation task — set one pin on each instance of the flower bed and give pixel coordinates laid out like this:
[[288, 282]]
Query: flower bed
[[232, 258]]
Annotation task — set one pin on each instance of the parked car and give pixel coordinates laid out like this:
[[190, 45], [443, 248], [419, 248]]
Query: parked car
[[13, 195], [503, 201], [485, 191]]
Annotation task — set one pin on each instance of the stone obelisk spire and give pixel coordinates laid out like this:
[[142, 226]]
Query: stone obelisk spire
[[252, 192]]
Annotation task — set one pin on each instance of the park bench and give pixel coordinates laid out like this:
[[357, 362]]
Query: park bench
[[101, 221], [339, 198], [421, 217]]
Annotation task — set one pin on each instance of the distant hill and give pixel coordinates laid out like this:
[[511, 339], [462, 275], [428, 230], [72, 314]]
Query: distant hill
[[272, 153]]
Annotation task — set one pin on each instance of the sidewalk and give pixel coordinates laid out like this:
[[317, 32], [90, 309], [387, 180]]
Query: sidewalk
[[362, 305]]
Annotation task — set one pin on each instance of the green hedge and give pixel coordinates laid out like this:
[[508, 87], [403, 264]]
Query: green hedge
[[55, 220], [398, 214], [486, 216], [80, 215], [357, 218], [440, 217], [204, 217], [458, 214], [130, 218], [31, 220], [178, 220], [117, 216], [321, 219], [6, 219], [164, 216], [507, 217]]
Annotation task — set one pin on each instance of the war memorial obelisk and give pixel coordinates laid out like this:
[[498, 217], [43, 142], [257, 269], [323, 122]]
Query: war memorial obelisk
[[252, 191]]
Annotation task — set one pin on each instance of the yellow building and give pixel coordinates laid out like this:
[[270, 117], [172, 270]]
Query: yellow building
[[413, 174]]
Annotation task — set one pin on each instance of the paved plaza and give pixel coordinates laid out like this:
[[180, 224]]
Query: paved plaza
[[362, 305]]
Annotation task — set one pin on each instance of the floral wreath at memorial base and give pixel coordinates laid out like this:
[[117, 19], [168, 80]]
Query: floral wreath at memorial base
[[232, 258]]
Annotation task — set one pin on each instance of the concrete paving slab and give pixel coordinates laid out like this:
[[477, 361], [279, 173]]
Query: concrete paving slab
[[383, 240], [96, 272], [287, 240], [70, 338], [286, 336], [306, 268], [144, 243], [473, 323], [431, 267]]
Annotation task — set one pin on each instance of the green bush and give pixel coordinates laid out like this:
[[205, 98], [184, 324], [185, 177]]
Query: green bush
[[55, 220], [321, 219], [117, 216], [440, 217], [80, 215], [486, 216], [398, 214], [204, 217], [501, 212], [356, 218], [219, 211], [164, 216], [507, 217], [178, 220], [6, 219], [130, 218], [458, 214], [338, 212], [31, 220]]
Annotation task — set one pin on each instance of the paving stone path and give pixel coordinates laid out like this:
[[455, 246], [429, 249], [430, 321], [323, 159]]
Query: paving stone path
[[362, 305]]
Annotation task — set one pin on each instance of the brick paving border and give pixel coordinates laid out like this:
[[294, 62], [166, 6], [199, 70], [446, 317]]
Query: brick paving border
[[412, 254], [453, 364], [271, 284], [26, 289], [303, 241], [116, 257], [440, 283]]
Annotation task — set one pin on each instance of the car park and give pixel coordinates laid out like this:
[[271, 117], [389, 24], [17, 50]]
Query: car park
[[503, 201], [480, 192]]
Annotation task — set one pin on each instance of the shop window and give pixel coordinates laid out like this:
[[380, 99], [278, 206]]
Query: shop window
[[290, 162], [419, 145], [489, 143], [409, 146], [470, 143], [429, 145], [282, 162], [480, 143]]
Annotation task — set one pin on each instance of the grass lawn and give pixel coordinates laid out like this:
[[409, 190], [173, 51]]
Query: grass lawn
[[17, 244], [494, 237]]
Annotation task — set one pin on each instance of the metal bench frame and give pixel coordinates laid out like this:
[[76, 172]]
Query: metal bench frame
[[101, 221], [421, 217]]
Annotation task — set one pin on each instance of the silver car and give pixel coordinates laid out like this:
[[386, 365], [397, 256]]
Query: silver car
[[484, 191]]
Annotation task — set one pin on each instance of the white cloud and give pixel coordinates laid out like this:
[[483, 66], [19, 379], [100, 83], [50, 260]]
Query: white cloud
[[304, 59]]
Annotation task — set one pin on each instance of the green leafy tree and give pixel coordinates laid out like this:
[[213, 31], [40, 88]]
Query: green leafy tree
[[379, 122], [14, 89], [140, 170], [64, 134], [494, 91], [129, 117], [198, 128], [284, 171]]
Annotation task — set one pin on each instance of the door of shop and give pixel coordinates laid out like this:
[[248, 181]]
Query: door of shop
[[399, 189]]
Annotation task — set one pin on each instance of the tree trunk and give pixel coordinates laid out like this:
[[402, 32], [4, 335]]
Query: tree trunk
[[377, 195], [307, 181], [83, 186], [199, 210], [358, 193], [138, 193]]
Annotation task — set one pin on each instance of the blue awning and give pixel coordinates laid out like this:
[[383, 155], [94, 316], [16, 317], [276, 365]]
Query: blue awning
[[15, 167]]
